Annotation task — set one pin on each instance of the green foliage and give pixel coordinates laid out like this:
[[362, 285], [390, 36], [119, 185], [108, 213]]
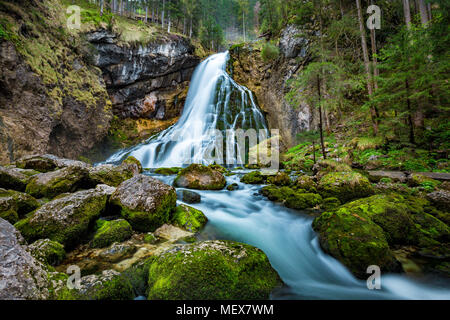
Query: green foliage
[[270, 52]]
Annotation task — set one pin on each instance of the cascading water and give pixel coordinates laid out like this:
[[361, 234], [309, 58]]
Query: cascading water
[[214, 102]]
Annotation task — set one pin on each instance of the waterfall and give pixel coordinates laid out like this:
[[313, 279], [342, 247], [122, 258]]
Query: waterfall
[[214, 102]]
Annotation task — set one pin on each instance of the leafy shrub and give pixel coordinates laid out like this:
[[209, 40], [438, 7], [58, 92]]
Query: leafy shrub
[[270, 52]]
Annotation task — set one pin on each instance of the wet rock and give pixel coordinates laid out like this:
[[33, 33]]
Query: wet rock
[[47, 251], [200, 177], [14, 205], [211, 270], [15, 178], [189, 218], [117, 252], [420, 180], [51, 184], [111, 231], [22, 276], [233, 187], [190, 197], [144, 202], [66, 219], [345, 186]]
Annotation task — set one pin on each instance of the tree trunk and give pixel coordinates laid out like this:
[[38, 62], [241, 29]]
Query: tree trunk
[[101, 7], [320, 119], [410, 121], [162, 14], [423, 12], [407, 12], [373, 110]]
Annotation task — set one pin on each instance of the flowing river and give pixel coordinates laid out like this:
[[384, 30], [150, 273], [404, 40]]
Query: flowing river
[[215, 101]]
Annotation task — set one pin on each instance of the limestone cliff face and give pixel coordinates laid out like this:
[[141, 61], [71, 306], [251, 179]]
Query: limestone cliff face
[[145, 81], [268, 80]]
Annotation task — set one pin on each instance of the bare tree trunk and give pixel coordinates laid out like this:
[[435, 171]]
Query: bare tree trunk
[[373, 110], [101, 7], [423, 12], [407, 12], [162, 14], [320, 119]]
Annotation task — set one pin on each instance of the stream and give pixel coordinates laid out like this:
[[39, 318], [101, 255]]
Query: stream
[[215, 101]]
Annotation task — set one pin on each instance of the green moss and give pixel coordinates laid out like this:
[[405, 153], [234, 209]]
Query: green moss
[[280, 179], [168, 171], [211, 270], [418, 180], [330, 204], [14, 205], [48, 252], [150, 238], [9, 215], [345, 186], [133, 161], [306, 182], [254, 177], [277, 194], [189, 218], [117, 288], [149, 221], [110, 232], [302, 201]]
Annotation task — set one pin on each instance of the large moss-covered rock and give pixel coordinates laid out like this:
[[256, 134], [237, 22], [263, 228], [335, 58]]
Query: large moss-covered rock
[[47, 251], [110, 232], [440, 199], [278, 194], [114, 175], [66, 219], [211, 270], [323, 167], [144, 202], [200, 177], [361, 231], [22, 276], [301, 201], [168, 171], [306, 182], [189, 218], [355, 241], [254, 177], [14, 205], [51, 184], [280, 179], [418, 180], [345, 186], [15, 178]]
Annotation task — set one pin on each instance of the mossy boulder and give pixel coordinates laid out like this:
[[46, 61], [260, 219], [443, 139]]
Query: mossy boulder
[[51, 184], [306, 182], [233, 187], [254, 177], [355, 241], [110, 285], [47, 251], [190, 196], [278, 194], [15, 178], [345, 186], [211, 270], [109, 232], [200, 177], [440, 199], [15, 205], [280, 179], [168, 171], [367, 225], [145, 202], [189, 218], [66, 219], [114, 175], [323, 167], [132, 164], [301, 201]]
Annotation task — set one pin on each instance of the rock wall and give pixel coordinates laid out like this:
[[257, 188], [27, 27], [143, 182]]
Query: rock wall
[[268, 80], [145, 81]]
